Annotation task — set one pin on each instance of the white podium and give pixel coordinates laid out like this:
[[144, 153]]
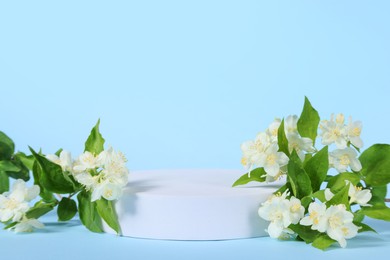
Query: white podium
[[191, 205]]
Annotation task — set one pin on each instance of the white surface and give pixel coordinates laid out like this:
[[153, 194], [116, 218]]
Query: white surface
[[191, 205]]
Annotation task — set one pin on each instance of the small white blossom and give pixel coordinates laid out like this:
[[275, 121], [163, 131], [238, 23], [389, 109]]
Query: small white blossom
[[339, 224], [297, 211], [64, 160], [27, 225], [87, 179], [282, 171], [291, 124], [253, 150], [334, 132], [316, 218], [281, 212], [272, 130], [359, 195], [277, 211], [299, 144], [354, 130], [86, 161], [107, 190], [272, 160], [105, 174], [336, 221], [14, 204], [341, 159]]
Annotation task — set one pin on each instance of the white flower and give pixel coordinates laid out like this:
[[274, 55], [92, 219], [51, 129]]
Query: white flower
[[64, 160], [27, 225], [248, 150], [299, 144], [358, 195], [105, 175], [277, 211], [272, 130], [87, 179], [253, 150], [291, 124], [341, 159], [334, 132], [354, 130], [107, 190], [86, 161], [339, 224], [336, 221], [272, 160], [316, 218], [297, 211], [14, 204], [282, 171], [281, 212], [113, 162]]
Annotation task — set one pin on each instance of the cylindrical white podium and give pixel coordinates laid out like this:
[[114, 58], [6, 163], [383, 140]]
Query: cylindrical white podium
[[191, 205]]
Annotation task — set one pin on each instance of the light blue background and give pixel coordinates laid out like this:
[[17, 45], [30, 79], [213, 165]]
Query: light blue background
[[180, 84]]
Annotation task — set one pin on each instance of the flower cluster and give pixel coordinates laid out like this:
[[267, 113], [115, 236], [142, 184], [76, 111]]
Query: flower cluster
[[336, 221], [318, 205], [14, 206], [335, 131], [264, 150], [281, 212], [87, 185], [104, 174]]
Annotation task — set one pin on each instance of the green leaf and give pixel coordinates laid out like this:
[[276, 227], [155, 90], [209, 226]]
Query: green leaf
[[317, 167], [358, 216], [378, 195], [107, 211], [23, 172], [364, 227], [282, 140], [8, 166], [46, 195], [308, 156], [27, 160], [255, 175], [320, 195], [297, 177], [323, 241], [305, 201], [10, 225], [340, 197], [88, 213], [52, 178], [95, 141], [58, 153], [67, 209], [305, 232], [338, 181], [376, 165], [7, 147], [378, 212], [4, 182], [40, 208], [308, 121]]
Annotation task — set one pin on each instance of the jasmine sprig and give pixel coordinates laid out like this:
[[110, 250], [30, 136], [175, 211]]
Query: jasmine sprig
[[316, 206], [96, 178]]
